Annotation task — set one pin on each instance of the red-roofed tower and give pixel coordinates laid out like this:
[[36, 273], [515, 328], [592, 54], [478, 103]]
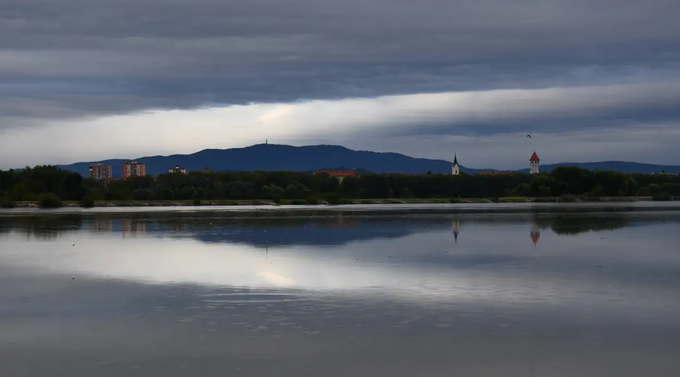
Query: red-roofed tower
[[534, 163]]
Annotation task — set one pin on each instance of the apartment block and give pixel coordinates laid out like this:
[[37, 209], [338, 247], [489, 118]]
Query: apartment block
[[133, 169], [101, 171]]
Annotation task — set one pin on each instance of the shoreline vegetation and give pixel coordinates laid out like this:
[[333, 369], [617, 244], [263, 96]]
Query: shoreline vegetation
[[294, 202], [51, 187]]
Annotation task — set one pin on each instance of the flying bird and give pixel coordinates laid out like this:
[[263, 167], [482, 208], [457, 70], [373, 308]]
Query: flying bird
[[529, 136]]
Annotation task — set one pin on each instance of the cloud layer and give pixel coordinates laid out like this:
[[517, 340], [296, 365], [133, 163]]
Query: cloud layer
[[385, 75]]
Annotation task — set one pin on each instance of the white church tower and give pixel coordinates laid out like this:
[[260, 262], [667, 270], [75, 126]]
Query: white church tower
[[455, 170], [534, 163]]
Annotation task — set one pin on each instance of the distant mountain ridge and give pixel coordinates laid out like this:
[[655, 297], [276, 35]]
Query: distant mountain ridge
[[273, 157]]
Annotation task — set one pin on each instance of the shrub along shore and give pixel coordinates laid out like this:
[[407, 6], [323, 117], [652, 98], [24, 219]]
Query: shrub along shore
[[50, 187], [314, 201]]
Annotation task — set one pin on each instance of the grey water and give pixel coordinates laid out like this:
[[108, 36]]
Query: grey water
[[198, 293]]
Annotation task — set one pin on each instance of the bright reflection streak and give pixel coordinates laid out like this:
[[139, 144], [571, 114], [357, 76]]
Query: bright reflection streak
[[182, 261], [503, 269]]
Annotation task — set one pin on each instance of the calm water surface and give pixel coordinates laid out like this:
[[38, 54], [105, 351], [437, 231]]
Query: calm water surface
[[201, 294]]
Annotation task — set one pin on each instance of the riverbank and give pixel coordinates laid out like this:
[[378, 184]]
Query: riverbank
[[348, 210], [293, 202]]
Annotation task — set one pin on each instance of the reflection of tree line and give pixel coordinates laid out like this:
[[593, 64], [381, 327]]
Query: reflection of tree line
[[321, 230], [50, 227], [65, 223], [563, 225], [41, 227], [573, 225], [317, 231]]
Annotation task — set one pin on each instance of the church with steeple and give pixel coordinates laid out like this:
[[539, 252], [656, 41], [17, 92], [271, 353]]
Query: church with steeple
[[455, 168]]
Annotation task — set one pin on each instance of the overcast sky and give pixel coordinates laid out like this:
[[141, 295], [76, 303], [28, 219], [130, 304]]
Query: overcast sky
[[84, 80]]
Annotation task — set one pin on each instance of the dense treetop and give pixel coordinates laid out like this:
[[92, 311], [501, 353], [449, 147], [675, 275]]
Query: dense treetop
[[32, 184]]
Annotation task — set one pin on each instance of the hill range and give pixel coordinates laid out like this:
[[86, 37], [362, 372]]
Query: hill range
[[272, 157]]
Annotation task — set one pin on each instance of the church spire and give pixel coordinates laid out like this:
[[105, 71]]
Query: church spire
[[455, 168]]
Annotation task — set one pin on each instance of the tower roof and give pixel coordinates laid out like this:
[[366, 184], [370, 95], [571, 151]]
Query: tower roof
[[455, 159], [534, 157]]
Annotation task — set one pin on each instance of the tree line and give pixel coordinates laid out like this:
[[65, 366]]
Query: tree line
[[51, 184]]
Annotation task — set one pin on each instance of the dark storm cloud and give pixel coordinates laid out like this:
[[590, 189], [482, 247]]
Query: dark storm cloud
[[553, 122], [75, 57]]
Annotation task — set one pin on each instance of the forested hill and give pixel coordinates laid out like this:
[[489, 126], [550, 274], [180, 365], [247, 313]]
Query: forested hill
[[271, 157]]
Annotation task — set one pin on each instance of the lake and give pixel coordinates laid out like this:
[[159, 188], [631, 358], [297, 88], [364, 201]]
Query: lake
[[340, 292]]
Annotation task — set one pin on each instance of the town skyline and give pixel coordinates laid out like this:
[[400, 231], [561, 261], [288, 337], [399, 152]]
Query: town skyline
[[272, 157], [534, 160], [101, 171]]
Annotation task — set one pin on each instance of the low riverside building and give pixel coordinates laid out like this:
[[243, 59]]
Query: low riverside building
[[339, 174], [497, 173], [177, 170]]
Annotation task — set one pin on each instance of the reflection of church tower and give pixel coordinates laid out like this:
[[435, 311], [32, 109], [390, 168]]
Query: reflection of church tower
[[455, 169], [455, 230], [535, 233]]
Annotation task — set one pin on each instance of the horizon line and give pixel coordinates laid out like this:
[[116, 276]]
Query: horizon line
[[342, 146]]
